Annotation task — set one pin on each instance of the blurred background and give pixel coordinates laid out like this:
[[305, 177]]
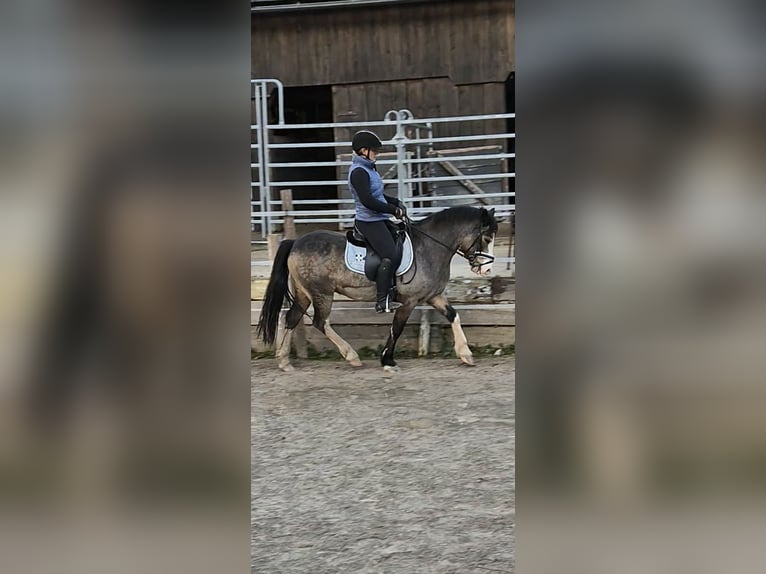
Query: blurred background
[[641, 300], [124, 257], [124, 419]]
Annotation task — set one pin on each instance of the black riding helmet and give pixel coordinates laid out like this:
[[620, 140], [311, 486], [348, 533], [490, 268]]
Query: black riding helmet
[[366, 139]]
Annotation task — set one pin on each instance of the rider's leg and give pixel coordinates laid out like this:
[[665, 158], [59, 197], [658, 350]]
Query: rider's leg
[[379, 237], [384, 300]]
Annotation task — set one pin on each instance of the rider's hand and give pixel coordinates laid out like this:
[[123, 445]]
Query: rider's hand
[[401, 212]]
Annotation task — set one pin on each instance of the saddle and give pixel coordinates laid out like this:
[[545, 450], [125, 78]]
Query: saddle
[[362, 258]]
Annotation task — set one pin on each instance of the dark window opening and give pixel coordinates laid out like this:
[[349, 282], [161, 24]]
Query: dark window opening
[[304, 105]]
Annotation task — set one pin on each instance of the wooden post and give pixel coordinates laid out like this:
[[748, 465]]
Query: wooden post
[[450, 168], [299, 334], [424, 338], [273, 240], [286, 195]]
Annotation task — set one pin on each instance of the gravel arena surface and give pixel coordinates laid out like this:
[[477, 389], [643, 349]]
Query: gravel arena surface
[[356, 471]]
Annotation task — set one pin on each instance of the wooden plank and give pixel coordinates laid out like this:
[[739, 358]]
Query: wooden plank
[[290, 53], [393, 48], [471, 42], [398, 95], [371, 48], [299, 334], [343, 111], [362, 316], [424, 339], [466, 183], [340, 36], [340, 107], [360, 336], [324, 57], [372, 101], [485, 149], [286, 195], [384, 92], [468, 64], [500, 13], [415, 98], [274, 239], [410, 66], [483, 35], [510, 35], [478, 95], [494, 99], [309, 73], [442, 22], [358, 102], [361, 30], [420, 51]]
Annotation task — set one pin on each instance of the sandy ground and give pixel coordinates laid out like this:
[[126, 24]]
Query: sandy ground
[[357, 472]]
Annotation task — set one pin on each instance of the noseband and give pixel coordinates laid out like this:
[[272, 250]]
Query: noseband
[[476, 253]]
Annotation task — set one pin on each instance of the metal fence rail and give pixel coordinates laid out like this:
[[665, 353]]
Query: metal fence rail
[[426, 178]]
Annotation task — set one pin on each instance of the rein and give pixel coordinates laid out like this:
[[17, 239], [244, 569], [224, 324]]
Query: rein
[[470, 258]]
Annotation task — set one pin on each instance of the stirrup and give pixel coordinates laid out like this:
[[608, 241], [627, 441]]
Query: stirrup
[[387, 306]]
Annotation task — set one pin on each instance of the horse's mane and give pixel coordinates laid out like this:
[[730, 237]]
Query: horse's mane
[[457, 215]]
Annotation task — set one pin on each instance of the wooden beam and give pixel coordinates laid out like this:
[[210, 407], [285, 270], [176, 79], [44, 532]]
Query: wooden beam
[[299, 333], [273, 240], [494, 316], [450, 168], [286, 195], [424, 337]]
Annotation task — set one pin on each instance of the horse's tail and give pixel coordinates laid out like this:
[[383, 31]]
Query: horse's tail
[[276, 292]]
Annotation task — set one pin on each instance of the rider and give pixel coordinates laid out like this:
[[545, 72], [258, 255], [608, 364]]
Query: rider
[[372, 212]]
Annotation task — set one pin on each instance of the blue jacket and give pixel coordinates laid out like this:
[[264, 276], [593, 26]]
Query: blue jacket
[[364, 213]]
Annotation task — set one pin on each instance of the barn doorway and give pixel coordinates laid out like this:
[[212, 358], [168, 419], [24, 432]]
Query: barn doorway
[[305, 105]]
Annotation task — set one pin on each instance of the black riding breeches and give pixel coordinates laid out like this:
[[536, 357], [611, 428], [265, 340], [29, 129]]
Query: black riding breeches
[[379, 237]]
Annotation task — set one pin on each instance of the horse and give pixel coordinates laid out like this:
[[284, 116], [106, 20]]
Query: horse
[[315, 264]]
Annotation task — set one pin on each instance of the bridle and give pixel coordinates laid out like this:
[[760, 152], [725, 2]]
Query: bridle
[[476, 253], [468, 254]]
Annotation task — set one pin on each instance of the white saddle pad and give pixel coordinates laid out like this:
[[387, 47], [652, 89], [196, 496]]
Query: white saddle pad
[[355, 257]]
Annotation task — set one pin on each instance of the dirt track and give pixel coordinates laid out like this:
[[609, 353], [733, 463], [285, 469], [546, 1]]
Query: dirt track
[[357, 473]]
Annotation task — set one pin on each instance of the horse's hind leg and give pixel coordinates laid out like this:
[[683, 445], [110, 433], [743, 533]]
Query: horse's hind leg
[[292, 318], [322, 309], [462, 350]]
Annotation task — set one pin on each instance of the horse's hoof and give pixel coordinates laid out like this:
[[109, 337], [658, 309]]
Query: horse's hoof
[[288, 368], [391, 368], [468, 360], [356, 363]]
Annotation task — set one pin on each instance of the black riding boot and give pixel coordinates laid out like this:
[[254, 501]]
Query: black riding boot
[[386, 293]]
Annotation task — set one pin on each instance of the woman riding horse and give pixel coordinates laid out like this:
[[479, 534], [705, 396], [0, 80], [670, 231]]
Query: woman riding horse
[[373, 209], [315, 265]]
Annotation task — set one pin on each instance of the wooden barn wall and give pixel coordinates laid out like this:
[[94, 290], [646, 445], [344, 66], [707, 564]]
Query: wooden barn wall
[[469, 41], [427, 98]]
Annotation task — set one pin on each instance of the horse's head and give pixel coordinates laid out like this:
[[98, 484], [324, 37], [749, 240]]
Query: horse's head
[[478, 247]]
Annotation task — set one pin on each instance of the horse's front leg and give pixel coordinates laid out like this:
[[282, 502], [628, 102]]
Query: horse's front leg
[[401, 316], [462, 350]]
